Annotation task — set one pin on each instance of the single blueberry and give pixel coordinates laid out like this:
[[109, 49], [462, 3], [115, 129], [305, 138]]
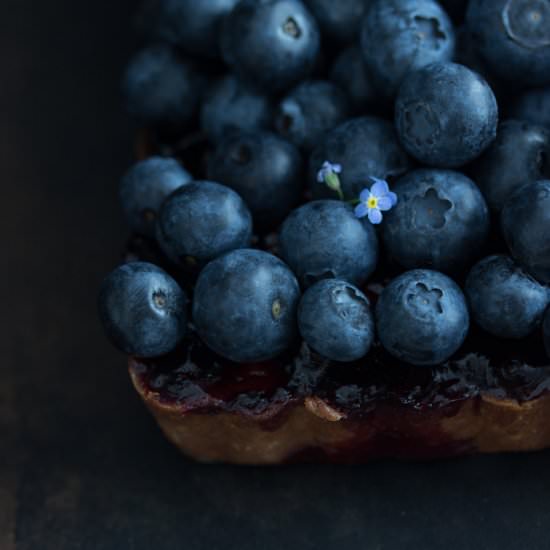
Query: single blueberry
[[525, 221], [309, 111], [513, 36], [324, 239], [446, 115], [422, 317], [245, 306], [350, 72], [505, 300], [272, 44], [520, 153], [265, 170], [191, 25], [546, 331], [231, 106], [533, 106], [142, 309], [440, 221], [365, 147], [145, 187], [338, 20], [335, 319], [160, 88], [399, 36], [201, 221]]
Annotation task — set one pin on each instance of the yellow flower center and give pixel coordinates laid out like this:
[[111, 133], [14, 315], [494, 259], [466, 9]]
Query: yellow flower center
[[372, 202]]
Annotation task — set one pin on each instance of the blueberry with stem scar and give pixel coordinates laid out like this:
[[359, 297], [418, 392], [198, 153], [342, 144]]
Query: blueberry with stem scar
[[422, 317], [335, 319]]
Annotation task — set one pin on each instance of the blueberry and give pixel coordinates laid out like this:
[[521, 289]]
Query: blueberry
[[365, 147], [335, 320], [533, 106], [399, 36], [441, 220], [309, 111], [422, 317], [350, 72], [504, 300], [160, 88], [338, 20], [525, 223], [145, 187], [142, 309], [271, 43], [189, 24], [265, 170], [245, 305], [513, 36], [230, 106], [546, 331], [446, 115], [520, 153], [201, 221], [324, 239]]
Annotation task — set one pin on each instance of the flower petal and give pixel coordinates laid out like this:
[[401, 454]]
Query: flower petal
[[336, 168], [361, 210], [375, 216], [364, 196], [385, 203], [393, 198], [380, 188]]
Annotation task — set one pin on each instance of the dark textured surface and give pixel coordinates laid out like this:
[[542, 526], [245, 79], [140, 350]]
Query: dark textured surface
[[82, 465]]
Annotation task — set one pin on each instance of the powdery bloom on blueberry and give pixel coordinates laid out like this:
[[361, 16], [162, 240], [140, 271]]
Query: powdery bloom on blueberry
[[328, 174], [374, 201]]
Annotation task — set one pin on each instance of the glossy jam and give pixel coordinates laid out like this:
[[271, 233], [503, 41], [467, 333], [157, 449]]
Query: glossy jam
[[197, 377]]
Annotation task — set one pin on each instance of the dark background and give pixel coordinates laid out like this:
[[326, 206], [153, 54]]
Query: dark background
[[82, 465]]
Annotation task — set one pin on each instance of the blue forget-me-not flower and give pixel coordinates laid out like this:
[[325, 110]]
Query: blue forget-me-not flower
[[374, 201]]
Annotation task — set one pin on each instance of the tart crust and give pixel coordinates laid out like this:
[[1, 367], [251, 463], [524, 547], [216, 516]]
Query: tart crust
[[311, 429]]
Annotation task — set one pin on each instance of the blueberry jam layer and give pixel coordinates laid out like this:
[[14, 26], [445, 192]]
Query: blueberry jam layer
[[193, 377]]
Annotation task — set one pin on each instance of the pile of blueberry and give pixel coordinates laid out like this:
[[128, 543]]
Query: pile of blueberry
[[355, 187]]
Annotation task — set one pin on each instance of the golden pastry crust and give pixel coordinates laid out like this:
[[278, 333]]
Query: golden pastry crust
[[312, 429]]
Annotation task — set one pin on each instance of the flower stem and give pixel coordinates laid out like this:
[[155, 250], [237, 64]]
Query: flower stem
[[332, 181]]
